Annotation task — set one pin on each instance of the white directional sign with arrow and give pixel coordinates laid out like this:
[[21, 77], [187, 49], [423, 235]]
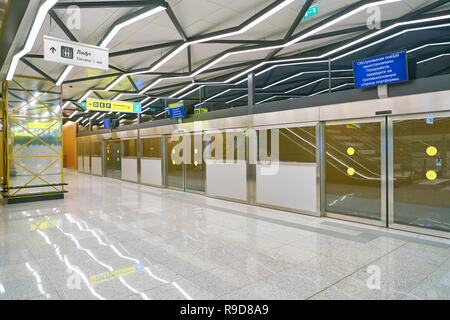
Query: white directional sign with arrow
[[75, 53]]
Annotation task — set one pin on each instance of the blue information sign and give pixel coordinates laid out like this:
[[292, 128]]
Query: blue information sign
[[385, 69], [176, 110], [107, 123]]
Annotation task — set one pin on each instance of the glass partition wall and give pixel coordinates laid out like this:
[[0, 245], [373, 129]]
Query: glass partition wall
[[32, 134], [174, 168], [87, 157], [151, 160], [80, 150], [194, 163], [388, 171], [286, 171], [226, 164], [129, 159], [96, 158]]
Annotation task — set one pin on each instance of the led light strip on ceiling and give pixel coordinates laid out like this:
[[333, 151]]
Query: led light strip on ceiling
[[40, 17], [354, 51], [73, 114], [294, 41], [433, 58], [189, 43], [245, 28], [352, 44], [311, 95], [310, 62], [112, 34], [338, 49], [65, 104], [302, 73]]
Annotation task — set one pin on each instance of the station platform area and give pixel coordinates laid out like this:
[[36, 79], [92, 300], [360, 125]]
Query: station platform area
[[110, 239]]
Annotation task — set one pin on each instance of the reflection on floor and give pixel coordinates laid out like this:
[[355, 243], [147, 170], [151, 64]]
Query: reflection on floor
[[116, 240]]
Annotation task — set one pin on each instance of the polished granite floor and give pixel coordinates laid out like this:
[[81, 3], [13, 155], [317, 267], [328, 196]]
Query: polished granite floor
[[116, 240]]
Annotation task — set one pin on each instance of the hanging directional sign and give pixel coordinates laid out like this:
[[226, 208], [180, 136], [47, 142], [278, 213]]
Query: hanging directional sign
[[116, 106], [200, 110], [75, 53], [176, 110]]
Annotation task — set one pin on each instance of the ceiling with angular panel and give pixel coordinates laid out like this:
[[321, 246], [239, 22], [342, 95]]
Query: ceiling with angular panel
[[201, 51]]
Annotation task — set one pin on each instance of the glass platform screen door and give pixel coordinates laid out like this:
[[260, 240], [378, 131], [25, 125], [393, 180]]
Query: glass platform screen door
[[355, 170], [419, 173]]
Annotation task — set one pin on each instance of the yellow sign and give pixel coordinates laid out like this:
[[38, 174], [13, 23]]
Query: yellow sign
[[42, 125], [200, 110], [176, 104], [116, 106]]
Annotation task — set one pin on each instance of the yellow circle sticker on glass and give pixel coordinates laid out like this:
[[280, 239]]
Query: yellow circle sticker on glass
[[432, 151], [195, 151], [350, 171], [350, 151], [431, 175]]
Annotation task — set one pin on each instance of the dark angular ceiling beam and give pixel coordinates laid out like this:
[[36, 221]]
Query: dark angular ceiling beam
[[250, 20], [176, 23], [42, 73], [92, 78], [342, 12], [224, 31], [356, 5], [294, 26], [133, 83], [146, 48], [61, 24]]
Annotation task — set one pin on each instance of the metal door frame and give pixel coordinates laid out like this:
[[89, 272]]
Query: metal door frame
[[122, 156], [105, 155], [183, 178], [91, 143], [80, 166], [120, 148], [87, 145], [316, 125], [201, 133], [249, 176], [390, 146], [383, 145]]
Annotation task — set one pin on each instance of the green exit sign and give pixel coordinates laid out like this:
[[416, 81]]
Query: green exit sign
[[312, 11]]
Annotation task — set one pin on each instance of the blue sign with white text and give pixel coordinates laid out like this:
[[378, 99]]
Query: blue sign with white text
[[176, 110], [385, 69], [107, 123], [137, 107]]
